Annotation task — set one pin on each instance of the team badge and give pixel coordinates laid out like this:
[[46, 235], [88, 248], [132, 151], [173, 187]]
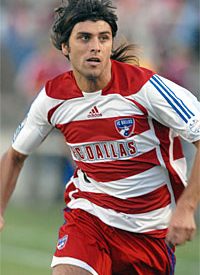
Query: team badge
[[62, 242], [125, 126], [195, 126]]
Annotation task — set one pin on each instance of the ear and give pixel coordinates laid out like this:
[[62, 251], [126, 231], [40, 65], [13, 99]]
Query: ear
[[65, 49]]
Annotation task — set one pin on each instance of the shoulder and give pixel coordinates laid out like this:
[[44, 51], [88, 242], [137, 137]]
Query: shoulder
[[129, 77], [62, 87], [132, 70]]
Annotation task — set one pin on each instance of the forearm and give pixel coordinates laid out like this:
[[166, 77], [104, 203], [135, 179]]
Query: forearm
[[191, 196], [11, 164], [182, 225]]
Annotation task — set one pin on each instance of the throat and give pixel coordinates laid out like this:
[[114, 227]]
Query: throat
[[92, 84]]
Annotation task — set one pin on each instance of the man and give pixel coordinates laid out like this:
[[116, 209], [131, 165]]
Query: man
[[126, 203]]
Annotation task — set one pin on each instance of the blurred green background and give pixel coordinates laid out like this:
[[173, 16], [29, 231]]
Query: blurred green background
[[30, 235]]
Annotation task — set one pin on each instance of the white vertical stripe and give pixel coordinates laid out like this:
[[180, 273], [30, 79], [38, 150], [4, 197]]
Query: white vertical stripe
[[162, 162], [157, 142], [175, 164]]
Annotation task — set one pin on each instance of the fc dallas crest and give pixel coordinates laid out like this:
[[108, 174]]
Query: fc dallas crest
[[125, 126]]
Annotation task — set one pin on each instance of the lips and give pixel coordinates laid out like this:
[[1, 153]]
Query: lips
[[93, 59]]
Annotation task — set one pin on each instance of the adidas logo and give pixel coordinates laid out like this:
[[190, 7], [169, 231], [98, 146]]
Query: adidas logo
[[94, 113]]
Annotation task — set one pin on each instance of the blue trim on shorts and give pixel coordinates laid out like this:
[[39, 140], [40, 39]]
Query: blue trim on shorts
[[172, 259]]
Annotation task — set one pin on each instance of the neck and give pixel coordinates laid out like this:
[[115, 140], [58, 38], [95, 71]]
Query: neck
[[91, 83]]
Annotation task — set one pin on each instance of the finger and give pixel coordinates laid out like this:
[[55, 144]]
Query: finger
[[177, 237], [191, 235]]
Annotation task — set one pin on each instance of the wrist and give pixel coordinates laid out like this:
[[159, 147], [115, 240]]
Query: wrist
[[187, 205]]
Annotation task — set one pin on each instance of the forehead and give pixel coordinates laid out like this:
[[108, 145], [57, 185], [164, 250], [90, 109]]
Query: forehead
[[93, 27]]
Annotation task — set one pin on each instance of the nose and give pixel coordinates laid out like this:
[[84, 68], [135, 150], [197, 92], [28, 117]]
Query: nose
[[95, 45]]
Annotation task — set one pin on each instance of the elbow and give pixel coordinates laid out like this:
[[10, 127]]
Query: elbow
[[16, 157]]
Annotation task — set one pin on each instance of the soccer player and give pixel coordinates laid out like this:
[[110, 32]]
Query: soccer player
[[128, 203]]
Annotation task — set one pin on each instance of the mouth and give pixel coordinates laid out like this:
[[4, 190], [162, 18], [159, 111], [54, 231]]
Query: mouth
[[94, 61]]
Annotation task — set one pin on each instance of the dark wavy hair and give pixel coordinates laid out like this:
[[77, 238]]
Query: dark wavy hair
[[74, 11]]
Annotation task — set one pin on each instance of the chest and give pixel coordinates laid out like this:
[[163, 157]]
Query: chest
[[99, 118]]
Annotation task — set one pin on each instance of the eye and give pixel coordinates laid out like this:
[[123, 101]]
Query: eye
[[85, 37], [104, 38]]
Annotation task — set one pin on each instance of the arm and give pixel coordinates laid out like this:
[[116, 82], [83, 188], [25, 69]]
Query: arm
[[179, 110], [11, 165], [28, 136], [182, 225]]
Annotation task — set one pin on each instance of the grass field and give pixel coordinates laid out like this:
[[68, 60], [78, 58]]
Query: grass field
[[29, 238]]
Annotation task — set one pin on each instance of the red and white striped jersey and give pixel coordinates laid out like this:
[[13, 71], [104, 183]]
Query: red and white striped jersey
[[125, 142]]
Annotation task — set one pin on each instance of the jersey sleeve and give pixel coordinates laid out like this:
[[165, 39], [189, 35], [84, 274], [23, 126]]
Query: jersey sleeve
[[34, 128], [172, 106]]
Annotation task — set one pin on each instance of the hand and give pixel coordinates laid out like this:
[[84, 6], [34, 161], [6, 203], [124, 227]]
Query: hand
[[1, 223], [182, 226]]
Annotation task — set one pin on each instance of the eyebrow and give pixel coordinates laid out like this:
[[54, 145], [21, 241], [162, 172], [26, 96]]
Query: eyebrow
[[89, 33]]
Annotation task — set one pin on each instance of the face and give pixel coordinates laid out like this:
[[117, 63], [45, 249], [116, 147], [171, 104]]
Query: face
[[89, 49]]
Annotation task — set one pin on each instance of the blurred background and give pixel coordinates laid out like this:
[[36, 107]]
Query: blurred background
[[167, 35]]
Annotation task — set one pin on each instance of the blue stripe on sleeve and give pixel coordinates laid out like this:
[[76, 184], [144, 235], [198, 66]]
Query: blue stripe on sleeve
[[168, 100], [177, 101]]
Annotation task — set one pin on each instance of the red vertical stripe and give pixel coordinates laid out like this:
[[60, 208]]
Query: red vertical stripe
[[162, 133]]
